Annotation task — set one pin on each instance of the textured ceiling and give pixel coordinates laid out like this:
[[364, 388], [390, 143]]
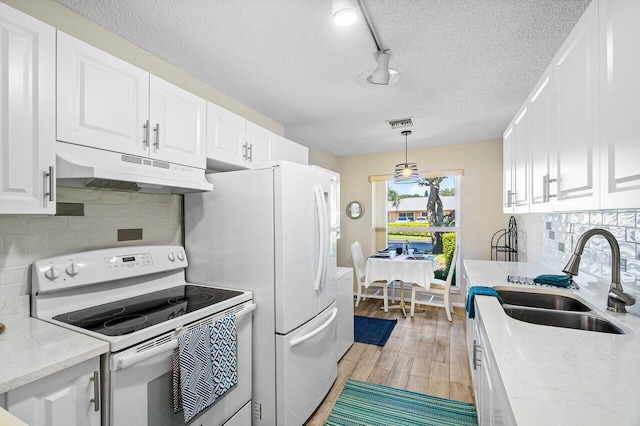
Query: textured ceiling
[[466, 66]]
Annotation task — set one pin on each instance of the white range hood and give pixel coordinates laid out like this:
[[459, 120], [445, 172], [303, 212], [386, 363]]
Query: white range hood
[[85, 167]]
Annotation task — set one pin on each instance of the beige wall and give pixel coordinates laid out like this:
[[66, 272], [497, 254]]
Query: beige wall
[[322, 158], [73, 24], [481, 191]]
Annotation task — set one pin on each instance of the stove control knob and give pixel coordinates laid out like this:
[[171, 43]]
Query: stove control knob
[[73, 269], [180, 256], [52, 273], [172, 256]]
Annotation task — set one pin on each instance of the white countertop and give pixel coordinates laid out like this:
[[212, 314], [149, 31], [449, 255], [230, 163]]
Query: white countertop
[[554, 375], [31, 349], [342, 271]]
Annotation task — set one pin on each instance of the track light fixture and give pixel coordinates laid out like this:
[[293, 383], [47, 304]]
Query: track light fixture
[[345, 12]]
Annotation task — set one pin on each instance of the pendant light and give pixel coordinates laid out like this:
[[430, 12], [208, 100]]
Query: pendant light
[[406, 172]]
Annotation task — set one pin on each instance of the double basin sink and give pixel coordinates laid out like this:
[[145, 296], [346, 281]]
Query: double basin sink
[[554, 310]]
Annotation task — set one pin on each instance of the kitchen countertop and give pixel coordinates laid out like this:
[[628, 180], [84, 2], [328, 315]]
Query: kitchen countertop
[[31, 349], [554, 375]]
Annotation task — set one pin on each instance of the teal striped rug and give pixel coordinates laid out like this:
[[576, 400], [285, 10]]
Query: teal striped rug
[[370, 404]]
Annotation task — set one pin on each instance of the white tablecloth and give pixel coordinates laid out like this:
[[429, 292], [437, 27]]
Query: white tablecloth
[[418, 271]]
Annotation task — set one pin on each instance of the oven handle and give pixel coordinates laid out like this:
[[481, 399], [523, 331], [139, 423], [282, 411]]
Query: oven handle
[[121, 361]]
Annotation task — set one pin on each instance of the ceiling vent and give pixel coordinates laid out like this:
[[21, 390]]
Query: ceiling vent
[[400, 124]]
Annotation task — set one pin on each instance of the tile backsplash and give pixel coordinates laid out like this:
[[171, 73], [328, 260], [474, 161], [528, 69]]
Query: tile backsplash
[[562, 230], [26, 238]]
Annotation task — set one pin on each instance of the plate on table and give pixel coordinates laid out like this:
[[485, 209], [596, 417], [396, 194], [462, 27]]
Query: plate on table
[[382, 254]]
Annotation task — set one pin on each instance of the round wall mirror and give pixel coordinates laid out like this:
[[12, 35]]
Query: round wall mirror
[[355, 209]]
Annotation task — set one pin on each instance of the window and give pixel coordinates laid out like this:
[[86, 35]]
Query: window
[[422, 214]]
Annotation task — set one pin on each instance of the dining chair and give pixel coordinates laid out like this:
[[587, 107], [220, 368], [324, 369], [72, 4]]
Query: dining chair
[[376, 286], [438, 293]]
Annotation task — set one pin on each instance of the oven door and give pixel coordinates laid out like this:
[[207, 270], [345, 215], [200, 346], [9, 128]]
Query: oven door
[[141, 379]]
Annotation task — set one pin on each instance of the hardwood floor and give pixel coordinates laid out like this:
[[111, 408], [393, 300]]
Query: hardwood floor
[[425, 354]]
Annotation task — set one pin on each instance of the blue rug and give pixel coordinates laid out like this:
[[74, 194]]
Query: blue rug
[[373, 331], [362, 403]]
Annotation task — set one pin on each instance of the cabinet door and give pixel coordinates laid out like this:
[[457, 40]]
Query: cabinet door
[[259, 140], [520, 167], [226, 138], [284, 149], [103, 102], [508, 142], [177, 120], [542, 173], [62, 399], [575, 75], [620, 103], [27, 114]]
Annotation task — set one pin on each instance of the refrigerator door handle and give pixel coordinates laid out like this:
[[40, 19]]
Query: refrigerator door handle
[[301, 339], [321, 225]]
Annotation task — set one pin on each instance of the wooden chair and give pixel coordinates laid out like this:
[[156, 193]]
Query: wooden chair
[[374, 288], [438, 292]]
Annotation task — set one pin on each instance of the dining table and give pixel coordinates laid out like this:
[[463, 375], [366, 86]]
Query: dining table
[[404, 268]]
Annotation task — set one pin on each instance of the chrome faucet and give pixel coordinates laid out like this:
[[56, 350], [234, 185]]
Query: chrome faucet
[[617, 299]]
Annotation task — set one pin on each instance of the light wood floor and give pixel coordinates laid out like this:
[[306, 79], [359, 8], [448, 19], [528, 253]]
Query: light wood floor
[[425, 354]]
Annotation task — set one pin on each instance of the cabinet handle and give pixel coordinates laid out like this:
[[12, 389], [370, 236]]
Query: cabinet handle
[[476, 360], [156, 129], [250, 152], [510, 195], [145, 141], [546, 188], [245, 151], [96, 391], [49, 175]]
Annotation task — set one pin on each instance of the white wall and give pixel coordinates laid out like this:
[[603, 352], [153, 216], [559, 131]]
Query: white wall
[[481, 191]]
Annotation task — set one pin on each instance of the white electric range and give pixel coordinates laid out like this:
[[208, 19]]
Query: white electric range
[[137, 299]]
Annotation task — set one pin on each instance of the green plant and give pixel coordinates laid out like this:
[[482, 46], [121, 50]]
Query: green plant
[[448, 247]]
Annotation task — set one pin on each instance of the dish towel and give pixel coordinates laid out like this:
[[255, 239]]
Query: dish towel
[[479, 291], [196, 371], [224, 354], [554, 280]]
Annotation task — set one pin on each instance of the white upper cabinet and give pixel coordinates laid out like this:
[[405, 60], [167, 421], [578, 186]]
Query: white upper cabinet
[[226, 139], [515, 166], [520, 175], [259, 143], [541, 146], [576, 87], [103, 101], [107, 103], [177, 124], [620, 103], [27, 114]]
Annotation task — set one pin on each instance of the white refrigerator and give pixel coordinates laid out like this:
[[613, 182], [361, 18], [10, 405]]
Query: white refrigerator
[[273, 231]]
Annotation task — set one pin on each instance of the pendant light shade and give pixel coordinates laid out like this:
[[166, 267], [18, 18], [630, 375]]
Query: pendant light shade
[[406, 172], [344, 12]]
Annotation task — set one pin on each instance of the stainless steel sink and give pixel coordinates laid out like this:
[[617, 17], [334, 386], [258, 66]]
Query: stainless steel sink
[[542, 300], [566, 319]]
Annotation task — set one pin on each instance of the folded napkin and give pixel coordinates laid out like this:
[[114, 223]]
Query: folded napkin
[[479, 291], [554, 280], [514, 279]]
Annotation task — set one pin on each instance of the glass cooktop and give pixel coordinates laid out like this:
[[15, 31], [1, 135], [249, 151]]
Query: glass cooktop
[[133, 314]]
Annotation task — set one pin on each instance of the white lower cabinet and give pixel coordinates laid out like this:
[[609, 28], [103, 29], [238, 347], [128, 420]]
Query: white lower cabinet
[[344, 302], [491, 400], [70, 397]]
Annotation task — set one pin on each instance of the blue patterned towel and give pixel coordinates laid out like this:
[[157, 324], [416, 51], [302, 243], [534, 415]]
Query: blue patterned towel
[[479, 291], [196, 371], [224, 354]]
